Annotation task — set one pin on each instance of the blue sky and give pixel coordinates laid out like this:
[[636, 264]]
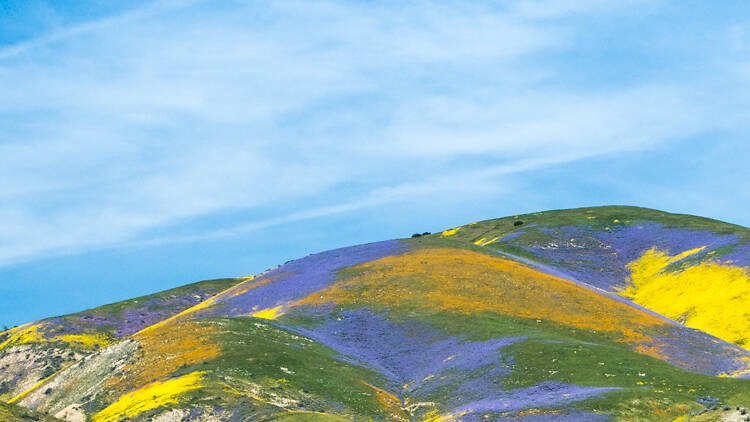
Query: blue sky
[[148, 144]]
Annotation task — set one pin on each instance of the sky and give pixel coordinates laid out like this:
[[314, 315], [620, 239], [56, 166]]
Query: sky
[[152, 143]]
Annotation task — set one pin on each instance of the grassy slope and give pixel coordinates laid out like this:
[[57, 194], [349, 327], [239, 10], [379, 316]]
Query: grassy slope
[[603, 217], [214, 286], [13, 413], [651, 389], [54, 343], [164, 304], [246, 365], [638, 253], [552, 352], [308, 417], [607, 219]]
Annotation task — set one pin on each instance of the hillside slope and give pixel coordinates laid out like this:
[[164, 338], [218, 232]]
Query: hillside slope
[[13, 413], [611, 313], [690, 269], [35, 351]]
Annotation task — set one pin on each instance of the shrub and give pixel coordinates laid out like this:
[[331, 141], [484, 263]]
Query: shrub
[[48, 371]]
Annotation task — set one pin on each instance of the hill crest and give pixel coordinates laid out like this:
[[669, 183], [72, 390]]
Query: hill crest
[[438, 327]]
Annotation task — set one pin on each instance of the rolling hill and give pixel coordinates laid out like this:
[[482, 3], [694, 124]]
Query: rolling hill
[[608, 313]]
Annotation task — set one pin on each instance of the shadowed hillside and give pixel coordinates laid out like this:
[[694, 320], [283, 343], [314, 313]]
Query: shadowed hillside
[[611, 313]]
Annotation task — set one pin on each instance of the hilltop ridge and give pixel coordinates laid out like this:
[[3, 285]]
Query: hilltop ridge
[[582, 314]]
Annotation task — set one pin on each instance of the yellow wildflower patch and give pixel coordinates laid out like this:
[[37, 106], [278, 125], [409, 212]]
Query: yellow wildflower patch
[[270, 313], [151, 396], [450, 232], [708, 296], [33, 334], [484, 242], [89, 340], [433, 416], [23, 334]]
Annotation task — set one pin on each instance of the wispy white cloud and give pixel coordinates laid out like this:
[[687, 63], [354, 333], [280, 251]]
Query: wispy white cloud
[[562, 8], [181, 110], [62, 34]]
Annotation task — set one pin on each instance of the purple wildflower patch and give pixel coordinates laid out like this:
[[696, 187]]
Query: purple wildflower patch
[[546, 394], [600, 257], [403, 352], [700, 352], [510, 236], [297, 279]]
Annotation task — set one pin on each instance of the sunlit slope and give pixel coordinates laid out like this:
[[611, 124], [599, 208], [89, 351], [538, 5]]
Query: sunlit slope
[[35, 351], [420, 329], [223, 367], [102, 325], [420, 275], [490, 321], [691, 269]]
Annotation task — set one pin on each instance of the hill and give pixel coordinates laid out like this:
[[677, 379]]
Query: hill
[[610, 313]]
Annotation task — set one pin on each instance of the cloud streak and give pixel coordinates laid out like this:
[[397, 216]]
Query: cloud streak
[[107, 23], [178, 111]]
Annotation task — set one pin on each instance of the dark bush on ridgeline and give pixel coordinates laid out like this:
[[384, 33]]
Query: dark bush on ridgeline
[[518, 223], [426, 233], [416, 235]]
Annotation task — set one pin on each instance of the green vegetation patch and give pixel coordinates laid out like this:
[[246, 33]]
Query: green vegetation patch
[[214, 286], [259, 359], [650, 388], [309, 417], [598, 218], [14, 413]]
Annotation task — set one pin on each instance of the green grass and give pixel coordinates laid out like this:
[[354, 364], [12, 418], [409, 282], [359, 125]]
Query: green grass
[[557, 353], [309, 417], [643, 380], [602, 217], [255, 352], [263, 369], [487, 325], [14, 413], [214, 286]]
